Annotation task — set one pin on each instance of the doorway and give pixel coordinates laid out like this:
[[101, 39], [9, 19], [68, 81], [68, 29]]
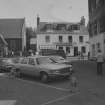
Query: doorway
[[75, 51]]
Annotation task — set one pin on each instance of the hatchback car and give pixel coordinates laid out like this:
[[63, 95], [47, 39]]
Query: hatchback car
[[43, 67]]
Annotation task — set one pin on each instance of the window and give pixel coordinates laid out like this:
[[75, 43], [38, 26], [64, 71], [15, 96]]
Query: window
[[31, 61], [102, 24], [98, 45], [75, 27], [60, 39], [80, 38], [70, 39], [60, 48], [95, 28], [90, 30], [47, 38], [99, 3], [83, 49], [61, 26], [24, 61]]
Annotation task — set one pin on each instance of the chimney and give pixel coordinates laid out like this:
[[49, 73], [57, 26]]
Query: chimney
[[82, 21], [38, 21]]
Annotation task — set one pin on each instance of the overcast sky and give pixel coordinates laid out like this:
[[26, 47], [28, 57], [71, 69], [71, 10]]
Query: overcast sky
[[48, 10]]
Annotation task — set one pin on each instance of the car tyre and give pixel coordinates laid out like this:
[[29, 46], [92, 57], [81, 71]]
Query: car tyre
[[44, 77], [18, 73], [68, 77]]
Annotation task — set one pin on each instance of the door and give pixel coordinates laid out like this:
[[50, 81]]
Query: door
[[23, 66], [67, 50], [75, 51], [32, 67]]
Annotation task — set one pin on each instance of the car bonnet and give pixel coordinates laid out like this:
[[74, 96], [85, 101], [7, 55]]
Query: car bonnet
[[53, 66]]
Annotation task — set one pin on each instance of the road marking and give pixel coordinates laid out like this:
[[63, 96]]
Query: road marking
[[45, 85], [7, 102], [61, 98]]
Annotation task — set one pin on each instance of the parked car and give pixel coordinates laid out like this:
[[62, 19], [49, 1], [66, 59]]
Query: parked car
[[41, 66], [7, 63], [61, 60]]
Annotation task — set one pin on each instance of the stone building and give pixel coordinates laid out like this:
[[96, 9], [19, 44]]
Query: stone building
[[96, 26]]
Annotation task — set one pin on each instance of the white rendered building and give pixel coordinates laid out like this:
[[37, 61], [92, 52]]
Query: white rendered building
[[71, 37]]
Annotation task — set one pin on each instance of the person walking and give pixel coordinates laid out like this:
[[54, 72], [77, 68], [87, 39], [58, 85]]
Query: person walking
[[100, 61]]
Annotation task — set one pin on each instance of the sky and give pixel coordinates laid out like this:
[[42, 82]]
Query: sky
[[48, 10]]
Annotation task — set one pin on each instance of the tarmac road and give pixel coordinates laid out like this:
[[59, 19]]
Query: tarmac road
[[28, 91]]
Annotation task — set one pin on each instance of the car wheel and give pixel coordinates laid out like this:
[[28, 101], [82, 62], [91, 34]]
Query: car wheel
[[44, 77], [12, 73], [67, 77]]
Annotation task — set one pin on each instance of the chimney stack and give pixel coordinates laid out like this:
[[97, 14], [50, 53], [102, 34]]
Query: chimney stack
[[82, 20], [38, 21]]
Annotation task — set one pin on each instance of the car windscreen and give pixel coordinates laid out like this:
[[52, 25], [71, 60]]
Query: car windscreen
[[57, 58], [44, 60]]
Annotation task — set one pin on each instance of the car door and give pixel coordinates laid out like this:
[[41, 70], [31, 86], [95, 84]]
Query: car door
[[23, 66], [33, 68]]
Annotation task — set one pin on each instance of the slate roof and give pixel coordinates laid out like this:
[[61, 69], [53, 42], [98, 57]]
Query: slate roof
[[43, 28], [11, 28]]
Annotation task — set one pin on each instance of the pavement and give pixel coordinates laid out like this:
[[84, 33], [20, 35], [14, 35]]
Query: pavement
[[76, 58], [91, 89], [91, 85]]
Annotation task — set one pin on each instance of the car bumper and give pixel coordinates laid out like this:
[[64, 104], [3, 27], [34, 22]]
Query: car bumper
[[59, 75]]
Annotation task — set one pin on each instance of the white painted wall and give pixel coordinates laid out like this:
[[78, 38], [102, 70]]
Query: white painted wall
[[55, 38]]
